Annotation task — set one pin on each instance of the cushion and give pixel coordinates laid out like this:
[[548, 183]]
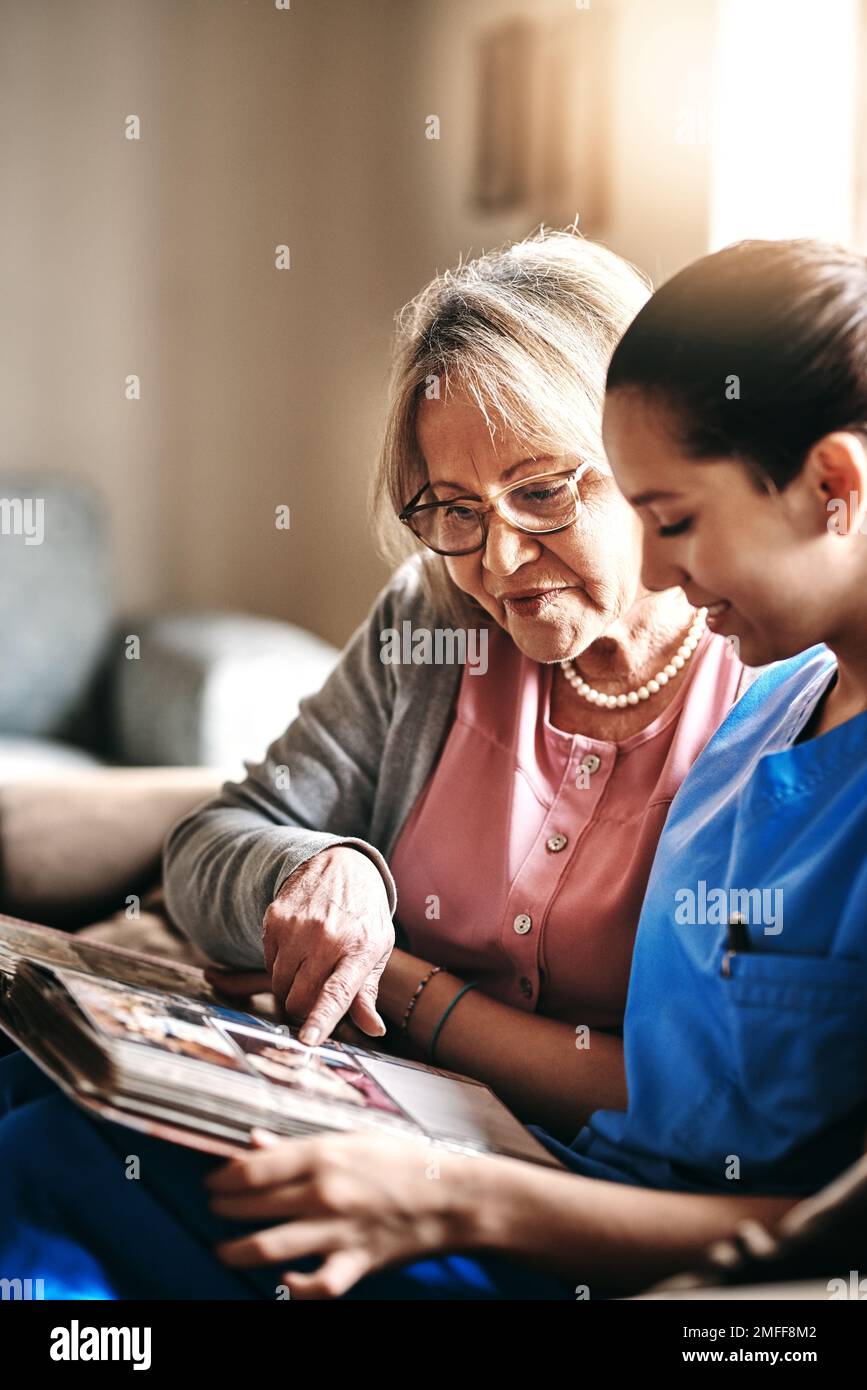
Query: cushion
[[73, 848], [55, 602]]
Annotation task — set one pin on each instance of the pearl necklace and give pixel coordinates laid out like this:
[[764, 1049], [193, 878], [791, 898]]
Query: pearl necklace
[[644, 692]]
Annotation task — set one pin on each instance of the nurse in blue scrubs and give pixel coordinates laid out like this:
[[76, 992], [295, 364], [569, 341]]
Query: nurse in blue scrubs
[[736, 423]]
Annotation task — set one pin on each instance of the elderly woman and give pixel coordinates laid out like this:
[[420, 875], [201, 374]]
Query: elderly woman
[[509, 807]]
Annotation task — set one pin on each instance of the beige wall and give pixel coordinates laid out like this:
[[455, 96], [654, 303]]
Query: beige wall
[[155, 257], [659, 183]]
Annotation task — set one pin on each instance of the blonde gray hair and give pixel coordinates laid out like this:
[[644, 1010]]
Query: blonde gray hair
[[526, 332]]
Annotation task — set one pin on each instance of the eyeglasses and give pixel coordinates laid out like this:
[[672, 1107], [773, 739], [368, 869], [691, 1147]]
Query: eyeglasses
[[539, 506]]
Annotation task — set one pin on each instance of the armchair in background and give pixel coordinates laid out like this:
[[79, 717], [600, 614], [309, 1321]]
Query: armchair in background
[[105, 743]]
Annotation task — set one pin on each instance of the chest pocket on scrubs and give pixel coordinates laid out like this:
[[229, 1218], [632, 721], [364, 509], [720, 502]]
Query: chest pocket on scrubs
[[799, 1037]]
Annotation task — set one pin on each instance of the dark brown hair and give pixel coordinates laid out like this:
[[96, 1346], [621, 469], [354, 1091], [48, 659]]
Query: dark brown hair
[[759, 351]]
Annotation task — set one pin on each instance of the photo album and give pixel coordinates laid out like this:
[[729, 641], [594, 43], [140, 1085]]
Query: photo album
[[146, 1042]]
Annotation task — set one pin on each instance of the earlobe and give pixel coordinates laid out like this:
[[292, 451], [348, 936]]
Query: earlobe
[[837, 466]]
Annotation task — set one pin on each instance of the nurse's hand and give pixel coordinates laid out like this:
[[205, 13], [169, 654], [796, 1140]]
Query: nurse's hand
[[359, 1201]]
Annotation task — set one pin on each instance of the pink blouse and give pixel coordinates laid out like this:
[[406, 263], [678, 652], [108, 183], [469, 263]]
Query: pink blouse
[[524, 861]]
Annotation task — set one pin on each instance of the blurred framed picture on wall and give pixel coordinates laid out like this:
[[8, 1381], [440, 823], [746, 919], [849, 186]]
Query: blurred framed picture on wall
[[543, 119]]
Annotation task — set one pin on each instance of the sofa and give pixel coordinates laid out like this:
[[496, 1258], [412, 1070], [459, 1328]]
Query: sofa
[[83, 686], [114, 725]]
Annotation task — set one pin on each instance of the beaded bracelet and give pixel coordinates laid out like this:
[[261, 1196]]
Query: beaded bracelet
[[436, 1032], [413, 1001]]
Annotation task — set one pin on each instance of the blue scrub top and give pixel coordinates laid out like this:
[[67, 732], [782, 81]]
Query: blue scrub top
[[747, 1067]]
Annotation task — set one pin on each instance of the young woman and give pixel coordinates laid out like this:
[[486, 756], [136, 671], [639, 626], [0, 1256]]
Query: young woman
[[736, 424]]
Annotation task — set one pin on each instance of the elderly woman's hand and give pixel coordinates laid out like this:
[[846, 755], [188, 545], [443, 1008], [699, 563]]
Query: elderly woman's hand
[[359, 1201], [327, 937]]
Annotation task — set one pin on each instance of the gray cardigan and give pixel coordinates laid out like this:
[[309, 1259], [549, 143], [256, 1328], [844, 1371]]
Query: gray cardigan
[[357, 756]]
